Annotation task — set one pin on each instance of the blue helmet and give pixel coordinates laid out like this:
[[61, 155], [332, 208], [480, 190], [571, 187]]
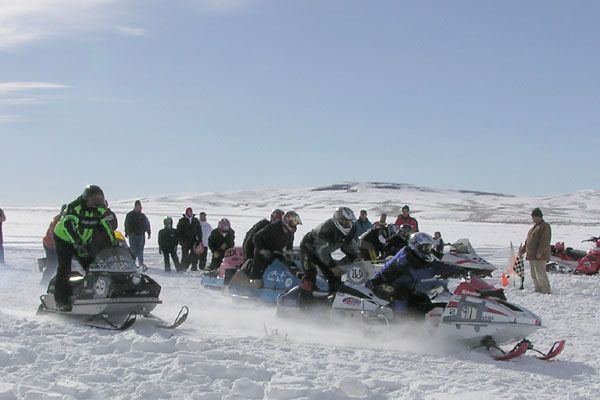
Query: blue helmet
[[422, 244]]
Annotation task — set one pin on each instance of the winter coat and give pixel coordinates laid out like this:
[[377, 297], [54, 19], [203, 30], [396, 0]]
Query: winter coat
[[189, 230], [401, 220], [136, 223], [168, 238], [48, 240], [394, 244], [326, 238], [218, 241], [405, 270], [537, 244], [361, 227], [248, 244], [85, 227], [273, 237], [376, 237]]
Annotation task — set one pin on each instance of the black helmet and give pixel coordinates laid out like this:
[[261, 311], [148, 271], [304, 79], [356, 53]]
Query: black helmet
[[94, 196], [421, 244], [168, 221]]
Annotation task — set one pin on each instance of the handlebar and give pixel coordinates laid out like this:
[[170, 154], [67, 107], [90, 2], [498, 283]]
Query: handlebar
[[592, 239]]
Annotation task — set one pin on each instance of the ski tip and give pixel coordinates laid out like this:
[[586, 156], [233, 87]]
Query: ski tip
[[517, 351], [555, 350]]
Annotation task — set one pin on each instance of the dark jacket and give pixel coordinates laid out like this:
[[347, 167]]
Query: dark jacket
[[168, 238], [136, 223], [248, 244], [361, 227], [189, 232], [219, 242], [372, 237], [405, 270], [326, 238], [273, 237], [394, 244]]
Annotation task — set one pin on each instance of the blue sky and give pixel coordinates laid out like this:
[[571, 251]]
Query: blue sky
[[152, 97]]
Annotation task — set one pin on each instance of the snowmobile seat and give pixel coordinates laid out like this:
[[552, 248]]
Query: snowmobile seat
[[576, 254]]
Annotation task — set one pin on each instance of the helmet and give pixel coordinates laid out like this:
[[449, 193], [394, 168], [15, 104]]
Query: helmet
[[421, 244], [291, 220], [392, 229], [94, 196], [405, 230], [224, 225], [168, 221], [343, 219], [277, 214]]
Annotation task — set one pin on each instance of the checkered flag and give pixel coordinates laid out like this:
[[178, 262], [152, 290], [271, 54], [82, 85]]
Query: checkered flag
[[520, 266]]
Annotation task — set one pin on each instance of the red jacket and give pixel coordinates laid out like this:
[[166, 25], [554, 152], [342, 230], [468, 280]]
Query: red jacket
[[401, 220]]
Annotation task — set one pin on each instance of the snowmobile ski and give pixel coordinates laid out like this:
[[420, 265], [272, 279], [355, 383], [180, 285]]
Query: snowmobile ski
[[517, 351], [110, 325], [180, 319], [554, 351]]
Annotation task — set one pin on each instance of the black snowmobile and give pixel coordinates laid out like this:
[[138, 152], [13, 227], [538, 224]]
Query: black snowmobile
[[112, 289]]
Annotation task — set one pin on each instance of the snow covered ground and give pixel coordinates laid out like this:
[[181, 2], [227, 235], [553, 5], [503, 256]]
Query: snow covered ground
[[228, 350]]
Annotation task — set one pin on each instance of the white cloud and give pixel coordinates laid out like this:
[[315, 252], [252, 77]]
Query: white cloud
[[24, 21], [129, 31], [19, 101], [11, 87]]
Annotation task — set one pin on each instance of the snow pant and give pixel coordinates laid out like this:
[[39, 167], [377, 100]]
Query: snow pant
[[1, 253], [215, 261], [51, 264], [311, 263], [188, 257], [171, 254], [539, 276], [202, 258], [136, 247], [65, 253]]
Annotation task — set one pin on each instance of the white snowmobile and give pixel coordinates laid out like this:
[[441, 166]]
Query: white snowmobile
[[476, 313], [111, 290], [463, 256]]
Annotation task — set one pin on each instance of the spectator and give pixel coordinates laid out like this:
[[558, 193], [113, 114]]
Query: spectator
[[206, 230], [50, 248], [405, 218], [190, 233], [362, 224], [382, 219], [136, 225], [221, 239], [167, 244], [438, 245], [537, 247], [2, 219]]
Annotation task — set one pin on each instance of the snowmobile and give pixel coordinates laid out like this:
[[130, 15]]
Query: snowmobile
[[462, 255], [569, 260], [111, 290], [563, 259], [476, 313], [277, 278]]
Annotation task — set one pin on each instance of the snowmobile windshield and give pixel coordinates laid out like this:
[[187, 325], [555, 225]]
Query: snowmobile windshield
[[114, 259]]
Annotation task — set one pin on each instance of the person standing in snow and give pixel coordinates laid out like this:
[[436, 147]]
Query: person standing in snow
[[438, 246], [50, 248], [82, 232], [220, 239], [190, 233], [136, 226], [2, 219], [167, 244], [537, 247], [206, 230], [405, 218], [362, 224]]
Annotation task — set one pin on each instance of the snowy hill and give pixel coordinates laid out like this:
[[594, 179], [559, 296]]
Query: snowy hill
[[230, 350]]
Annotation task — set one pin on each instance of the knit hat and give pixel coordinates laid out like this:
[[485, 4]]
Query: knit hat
[[537, 212]]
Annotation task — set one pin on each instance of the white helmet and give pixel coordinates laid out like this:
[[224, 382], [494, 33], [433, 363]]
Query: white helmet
[[343, 219], [421, 244]]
